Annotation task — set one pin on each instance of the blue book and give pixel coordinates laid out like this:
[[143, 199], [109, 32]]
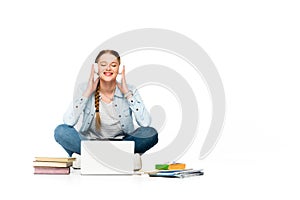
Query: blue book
[[177, 173]]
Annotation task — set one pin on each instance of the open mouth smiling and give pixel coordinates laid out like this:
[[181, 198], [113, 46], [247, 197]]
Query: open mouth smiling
[[108, 73]]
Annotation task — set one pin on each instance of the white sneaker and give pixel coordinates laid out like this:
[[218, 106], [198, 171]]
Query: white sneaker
[[137, 160], [77, 161]]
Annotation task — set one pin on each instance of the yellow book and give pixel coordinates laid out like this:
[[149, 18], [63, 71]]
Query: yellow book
[[54, 159], [175, 166], [51, 164]]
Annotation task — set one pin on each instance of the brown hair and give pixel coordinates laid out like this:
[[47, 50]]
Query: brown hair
[[97, 92]]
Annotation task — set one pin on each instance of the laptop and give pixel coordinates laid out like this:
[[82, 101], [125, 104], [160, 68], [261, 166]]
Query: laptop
[[107, 157]]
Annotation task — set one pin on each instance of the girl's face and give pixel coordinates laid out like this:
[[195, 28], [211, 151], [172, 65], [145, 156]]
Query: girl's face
[[108, 65]]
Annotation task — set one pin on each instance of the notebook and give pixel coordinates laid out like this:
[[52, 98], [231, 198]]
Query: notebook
[[107, 157]]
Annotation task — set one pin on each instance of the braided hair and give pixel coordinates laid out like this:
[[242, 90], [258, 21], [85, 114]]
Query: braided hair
[[97, 92]]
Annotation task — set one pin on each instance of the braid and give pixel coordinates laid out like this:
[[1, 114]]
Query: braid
[[97, 106]]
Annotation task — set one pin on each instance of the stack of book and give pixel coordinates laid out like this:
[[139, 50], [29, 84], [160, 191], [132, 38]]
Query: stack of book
[[52, 165], [174, 170]]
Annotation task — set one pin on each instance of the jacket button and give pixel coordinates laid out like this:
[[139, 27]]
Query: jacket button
[[131, 101], [116, 105], [122, 125], [76, 106], [119, 115], [137, 109]]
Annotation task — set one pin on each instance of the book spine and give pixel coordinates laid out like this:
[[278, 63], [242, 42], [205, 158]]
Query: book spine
[[51, 164], [51, 170]]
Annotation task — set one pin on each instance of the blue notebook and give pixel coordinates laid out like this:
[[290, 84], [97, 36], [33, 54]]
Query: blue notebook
[[177, 173]]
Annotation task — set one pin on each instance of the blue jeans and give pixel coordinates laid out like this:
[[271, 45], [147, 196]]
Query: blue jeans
[[69, 138]]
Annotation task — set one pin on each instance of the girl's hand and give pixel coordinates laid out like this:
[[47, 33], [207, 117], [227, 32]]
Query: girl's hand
[[92, 84], [123, 85]]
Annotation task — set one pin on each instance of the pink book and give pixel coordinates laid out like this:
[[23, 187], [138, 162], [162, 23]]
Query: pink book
[[51, 170]]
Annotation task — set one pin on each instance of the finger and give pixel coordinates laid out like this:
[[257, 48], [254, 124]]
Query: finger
[[123, 74], [123, 71], [97, 80], [95, 83], [119, 86], [92, 73]]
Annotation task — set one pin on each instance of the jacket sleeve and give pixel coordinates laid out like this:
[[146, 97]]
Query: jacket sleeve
[[74, 111], [137, 106], [75, 108]]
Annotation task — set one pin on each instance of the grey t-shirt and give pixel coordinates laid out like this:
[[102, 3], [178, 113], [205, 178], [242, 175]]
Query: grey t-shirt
[[110, 123]]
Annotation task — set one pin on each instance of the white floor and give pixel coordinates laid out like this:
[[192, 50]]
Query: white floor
[[226, 178]]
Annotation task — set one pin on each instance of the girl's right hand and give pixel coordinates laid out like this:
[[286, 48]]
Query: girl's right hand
[[92, 84]]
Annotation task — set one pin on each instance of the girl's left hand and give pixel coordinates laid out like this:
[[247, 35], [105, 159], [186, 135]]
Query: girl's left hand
[[123, 85]]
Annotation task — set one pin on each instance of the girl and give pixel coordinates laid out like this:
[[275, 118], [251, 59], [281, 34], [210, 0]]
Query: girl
[[106, 107]]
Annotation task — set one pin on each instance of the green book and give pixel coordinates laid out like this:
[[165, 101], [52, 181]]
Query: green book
[[161, 166]]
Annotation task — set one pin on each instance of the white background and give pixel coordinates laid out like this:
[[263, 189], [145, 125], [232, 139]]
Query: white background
[[254, 45]]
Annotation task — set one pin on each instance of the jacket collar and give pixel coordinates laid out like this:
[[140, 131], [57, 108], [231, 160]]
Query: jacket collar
[[118, 93]]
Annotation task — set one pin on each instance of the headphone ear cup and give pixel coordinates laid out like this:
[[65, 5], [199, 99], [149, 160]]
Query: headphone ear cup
[[119, 76], [96, 71], [120, 69], [96, 68]]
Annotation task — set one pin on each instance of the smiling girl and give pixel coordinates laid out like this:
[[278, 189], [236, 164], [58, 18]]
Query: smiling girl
[[107, 108]]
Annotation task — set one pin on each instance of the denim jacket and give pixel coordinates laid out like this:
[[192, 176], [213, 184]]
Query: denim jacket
[[84, 108]]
